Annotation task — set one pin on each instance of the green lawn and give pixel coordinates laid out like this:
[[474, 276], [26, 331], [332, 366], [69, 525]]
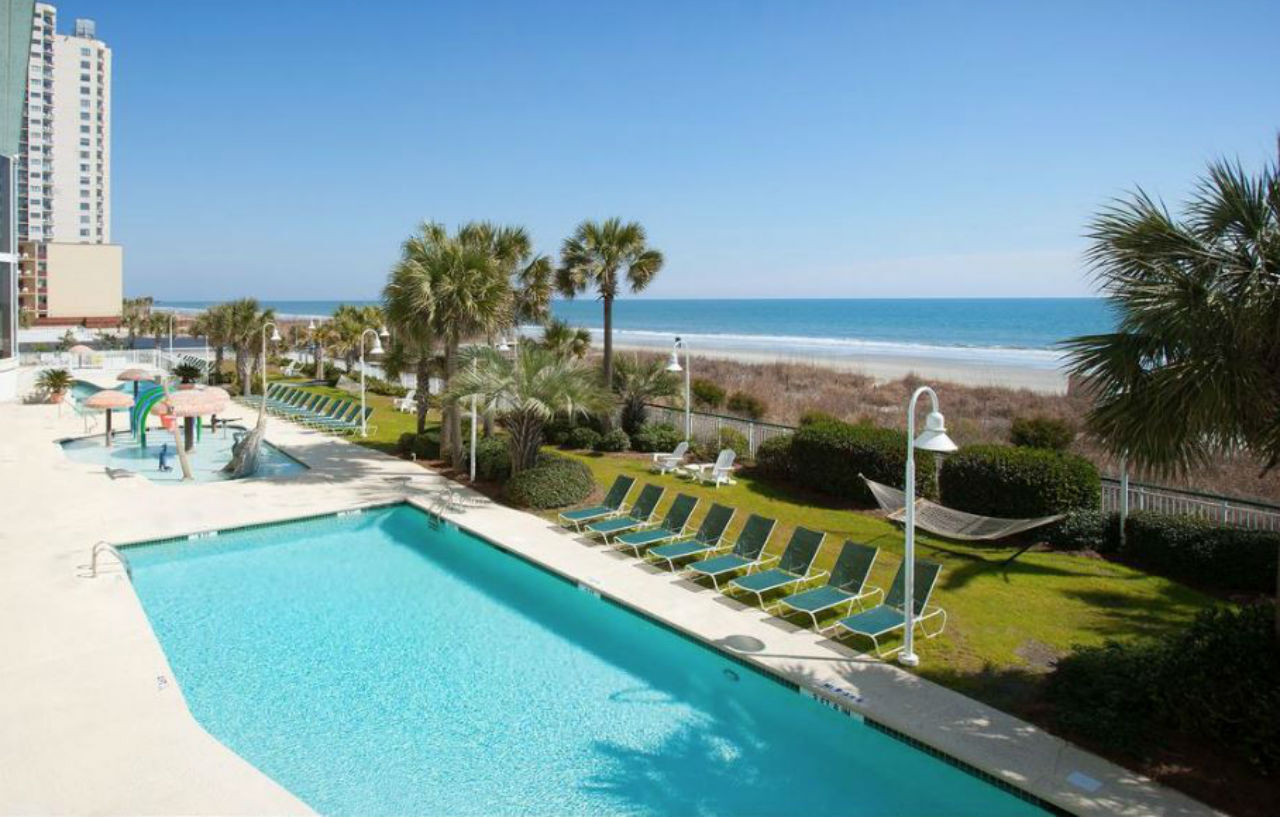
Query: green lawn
[[1005, 621]]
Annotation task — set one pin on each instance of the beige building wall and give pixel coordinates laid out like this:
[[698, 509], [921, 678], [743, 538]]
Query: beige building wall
[[89, 280]]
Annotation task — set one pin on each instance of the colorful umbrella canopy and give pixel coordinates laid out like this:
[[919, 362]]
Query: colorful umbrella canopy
[[136, 375], [108, 400], [194, 402], [80, 349]]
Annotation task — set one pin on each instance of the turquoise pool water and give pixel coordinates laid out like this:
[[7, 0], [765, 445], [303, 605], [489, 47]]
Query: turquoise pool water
[[374, 664], [210, 453]]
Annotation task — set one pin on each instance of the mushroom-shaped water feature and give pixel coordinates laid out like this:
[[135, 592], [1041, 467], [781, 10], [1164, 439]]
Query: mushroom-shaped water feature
[[192, 404], [109, 400], [136, 376], [79, 351]]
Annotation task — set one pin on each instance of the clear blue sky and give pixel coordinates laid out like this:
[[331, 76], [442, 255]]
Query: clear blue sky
[[283, 149]]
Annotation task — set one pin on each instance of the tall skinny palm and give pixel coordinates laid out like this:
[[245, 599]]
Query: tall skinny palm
[[525, 391], [607, 256], [1193, 368], [409, 305], [638, 382]]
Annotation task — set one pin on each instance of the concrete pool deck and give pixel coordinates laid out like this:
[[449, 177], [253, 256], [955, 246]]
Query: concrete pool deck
[[96, 724]]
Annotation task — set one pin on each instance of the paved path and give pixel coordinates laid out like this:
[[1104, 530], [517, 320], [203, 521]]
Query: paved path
[[95, 724]]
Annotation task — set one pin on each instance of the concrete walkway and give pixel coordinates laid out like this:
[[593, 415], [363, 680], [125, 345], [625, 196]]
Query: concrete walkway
[[94, 722]]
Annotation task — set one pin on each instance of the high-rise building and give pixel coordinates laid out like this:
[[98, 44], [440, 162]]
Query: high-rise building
[[70, 271], [15, 43]]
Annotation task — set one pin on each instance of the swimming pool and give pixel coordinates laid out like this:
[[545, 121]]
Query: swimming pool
[[210, 453], [382, 663]]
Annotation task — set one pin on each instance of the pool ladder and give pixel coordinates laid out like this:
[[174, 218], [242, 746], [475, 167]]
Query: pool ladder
[[114, 551]]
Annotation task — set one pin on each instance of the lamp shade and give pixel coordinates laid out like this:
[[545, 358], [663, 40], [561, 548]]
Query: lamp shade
[[934, 437], [275, 335], [673, 365], [376, 349]]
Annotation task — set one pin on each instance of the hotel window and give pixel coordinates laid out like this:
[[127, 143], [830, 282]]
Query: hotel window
[[84, 143], [84, 52], [85, 116], [84, 219], [86, 64], [84, 77], [84, 233], [84, 205], [84, 89]]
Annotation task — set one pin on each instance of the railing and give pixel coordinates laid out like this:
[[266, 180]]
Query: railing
[[1227, 510], [1241, 513], [106, 359]]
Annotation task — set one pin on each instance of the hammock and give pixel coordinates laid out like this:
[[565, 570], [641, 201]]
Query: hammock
[[948, 522]]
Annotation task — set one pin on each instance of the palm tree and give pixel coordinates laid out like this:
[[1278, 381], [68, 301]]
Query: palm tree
[[565, 340], [244, 332], [349, 323], [410, 309], [157, 325], [638, 382], [134, 317], [214, 326], [525, 391], [595, 256], [1193, 368]]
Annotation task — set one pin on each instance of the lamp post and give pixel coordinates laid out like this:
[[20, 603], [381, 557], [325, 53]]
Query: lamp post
[[376, 349], [311, 333], [172, 315], [275, 338], [934, 438], [674, 366]]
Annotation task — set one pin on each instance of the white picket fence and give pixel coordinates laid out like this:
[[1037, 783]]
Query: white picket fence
[[1239, 513]]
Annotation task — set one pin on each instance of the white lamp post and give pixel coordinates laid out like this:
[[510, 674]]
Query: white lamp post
[[376, 349], [171, 317], [311, 332], [933, 438], [674, 366], [275, 338]]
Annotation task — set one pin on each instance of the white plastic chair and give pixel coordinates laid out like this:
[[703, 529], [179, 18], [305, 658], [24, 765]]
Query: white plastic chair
[[408, 403], [665, 463], [717, 473]]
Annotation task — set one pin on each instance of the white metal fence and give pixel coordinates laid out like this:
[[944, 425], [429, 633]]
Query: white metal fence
[[1226, 510], [712, 426], [106, 359]]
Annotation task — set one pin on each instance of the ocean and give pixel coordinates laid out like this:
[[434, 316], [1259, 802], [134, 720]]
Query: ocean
[[1022, 332]]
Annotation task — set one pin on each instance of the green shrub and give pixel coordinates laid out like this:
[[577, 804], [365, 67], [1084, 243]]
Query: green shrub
[[613, 442], [493, 458], [1001, 480], [1085, 530], [554, 482], [376, 385], [1216, 680], [656, 437], [1202, 552], [706, 393], [748, 405], [735, 439], [773, 458], [426, 446], [814, 417], [1042, 432], [556, 431], [582, 438], [404, 444], [832, 455]]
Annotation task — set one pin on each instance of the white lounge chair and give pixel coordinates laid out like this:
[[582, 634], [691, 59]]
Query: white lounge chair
[[666, 463], [290, 370], [408, 403], [717, 473]]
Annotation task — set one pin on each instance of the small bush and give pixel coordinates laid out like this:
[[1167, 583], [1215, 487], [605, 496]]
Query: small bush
[[582, 438], [1216, 680], [556, 430], [814, 417], [387, 389], [773, 458], [613, 442], [554, 482], [706, 393], [1001, 480], [493, 459], [735, 439], [1202, 552], [1085, 530], [656, 437], [426, 446], [748, 405], [1042, 432], [404, 443], [834, 454]]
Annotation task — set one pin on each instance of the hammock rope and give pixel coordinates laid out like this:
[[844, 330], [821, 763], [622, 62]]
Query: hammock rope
[[948, 522]]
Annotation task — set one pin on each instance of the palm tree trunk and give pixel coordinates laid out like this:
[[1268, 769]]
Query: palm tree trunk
[[452, 430], [423, 387], [606, 420], [526, 440]]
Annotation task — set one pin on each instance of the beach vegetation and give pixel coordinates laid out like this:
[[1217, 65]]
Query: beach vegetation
[[813, 416], [707, 393], [747, 405], [607, 257], [566, 340], [1006, 481], [1052, 433], [553, 482]]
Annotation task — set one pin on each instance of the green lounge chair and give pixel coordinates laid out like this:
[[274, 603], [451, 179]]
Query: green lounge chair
[[705, 541], [793, 566], [339, 422], [639, 515], [671, 527], [847, 584], [354, 424], [746, 552], [335, 412], [614, 504], [316, 409], [889, 617]]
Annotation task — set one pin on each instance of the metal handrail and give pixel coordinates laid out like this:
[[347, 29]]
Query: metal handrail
[[114, 551]]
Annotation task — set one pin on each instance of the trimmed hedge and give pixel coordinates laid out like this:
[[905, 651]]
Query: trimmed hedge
[[1085, 530], [656, 437], [555, 482], [1042, 432], [1216, 680], [773, 458], [831, 455], [493, 458], [1002, 480], [582, 437], [613, 442], [1202, 552]]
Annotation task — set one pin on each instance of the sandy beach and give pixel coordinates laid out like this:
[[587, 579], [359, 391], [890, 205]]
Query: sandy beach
[[892, 367]]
